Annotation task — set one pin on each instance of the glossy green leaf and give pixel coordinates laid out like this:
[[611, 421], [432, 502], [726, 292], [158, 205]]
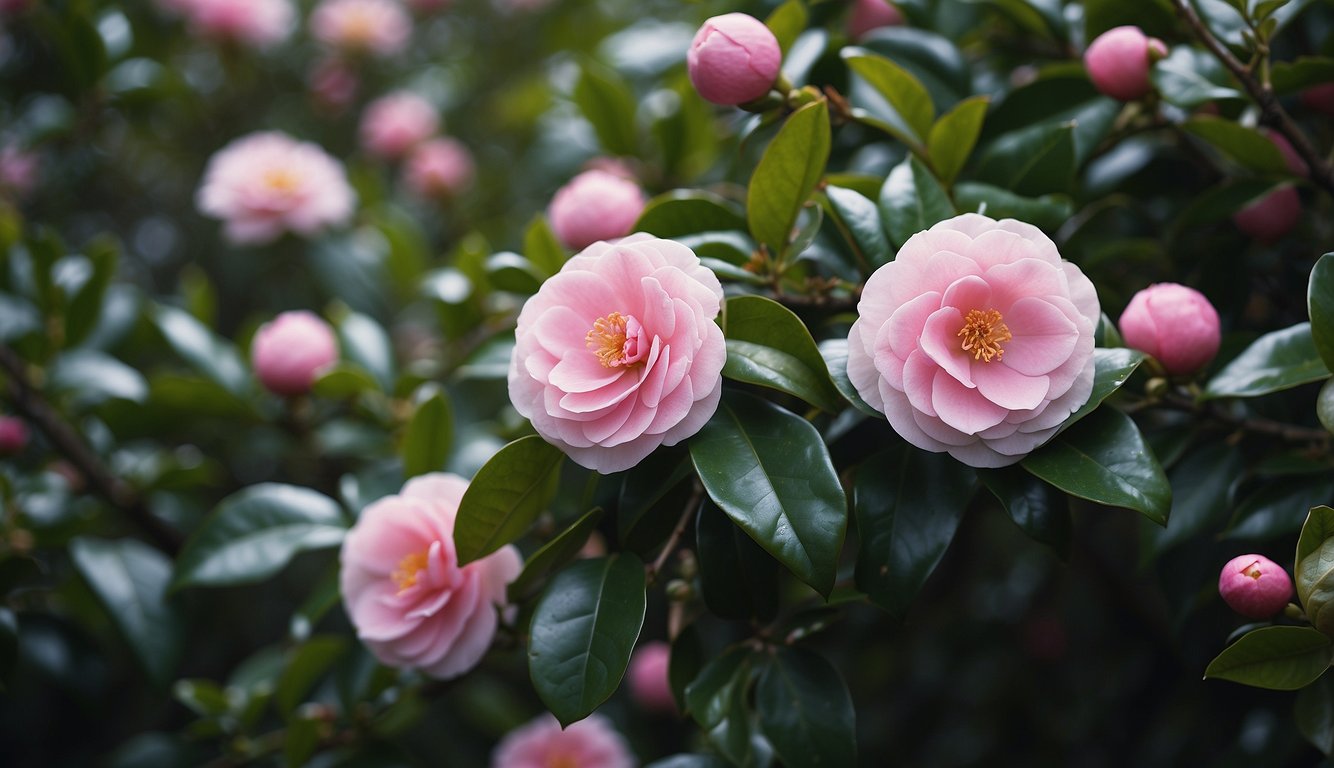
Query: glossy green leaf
[[736, 577], [690, 761], [771, 473], [953, 136], [787, 173], [541, 247], [859, 218], [909, 504], [607, 102], [1189, 77], [1048, 212], [1277, 361], [306, 664], [1314, 568], [254, 532], [767, 344], [130, 579], [786, 22], [1112, 369], [688, 212], [709, 694], [210, 355], [1031, 161], [912, 200], [1037, 508], [506, 496], [344, 380], [1314, 714], [1303, 72], [584, 628], [904, 92], [560, 550], [651, 499], [1246, 147], [1104, 459], [835, 354], [1320, 306], [18, 318], [932, 58], [429, 434], [1280, 658], [805, 710], [1275, 508], [89, 377], [1201, 486], [366, 343]]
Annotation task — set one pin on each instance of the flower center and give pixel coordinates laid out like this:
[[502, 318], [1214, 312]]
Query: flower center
[[405, 576], [615, 340], [562, 760], [1251, 570], [983, 333], [281, 180], [359, 27]]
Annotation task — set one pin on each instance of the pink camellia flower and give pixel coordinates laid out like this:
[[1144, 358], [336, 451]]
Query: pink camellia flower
[[291, 351], [394, 124], [376, 27], [872, 14], [733, 59], [1293, 160], [977, 340], [13, 435], [618, 352], [410, 601], [595, 205], [1254, 586], [647, 676], [590, 743], [1272, 215], [439, 169], [1175, 324], [1119, 60], [1320, 98], [266, 183], [18, 170], [257, 23]]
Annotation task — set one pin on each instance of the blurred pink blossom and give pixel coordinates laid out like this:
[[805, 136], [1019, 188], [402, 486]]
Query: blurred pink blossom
[[1175, 324], [395, 123], [13, 435], [595, 205], [872, 14], [19, 170], [647, 676], [377, 27], [333, 82], [590, 743], [258, 23], [733, 59], [291, 351], [439, 168]]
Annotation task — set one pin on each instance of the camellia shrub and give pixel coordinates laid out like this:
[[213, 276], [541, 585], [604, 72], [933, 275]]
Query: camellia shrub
[[541, 384]]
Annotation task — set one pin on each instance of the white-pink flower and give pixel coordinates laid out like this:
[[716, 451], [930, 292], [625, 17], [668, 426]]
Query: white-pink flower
[[618, 353], [257, 23], [439, 168], [397, 122], [977, 340], [590, 743], [411, 603], [595, 205], [376, 27], [267, 183]]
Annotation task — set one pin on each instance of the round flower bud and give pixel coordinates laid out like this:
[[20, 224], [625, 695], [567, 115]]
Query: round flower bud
[[1320, 98], [13, 435], [594, 206], [1254, 586], [1175, 324], [649, 686], [1118, 62], [872, 14], [291, 351], [394, 124], [1271, 216], [438, 169], [733, 59]]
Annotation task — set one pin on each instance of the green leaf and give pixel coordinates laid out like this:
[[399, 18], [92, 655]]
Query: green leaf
[[506, 496], [904, 92], [584, 628], [909, 504], [9, 647], [1189, 77], [767, 344], [607, 102], [736, 578], [366, 343], [210, 355], [1112, 369], [85, 306], [786, 175], [344, 381], [860, 219], [1031, 161], [1245, 146], [1314, 713], [429, 434], [835, 354], [1305, 71], [1274, 362], [92, 377], [541, 247], [1320, 306], [130, 579], [771, 473], [305, 665], [688, 212], [254, 532], [786, 22], [1104, 459], [560, 550], [1033, 505], [708, 696], [1314, 568], [911, 201], [1048, 212], [1202, 483], [1280, 658], [953, 136], [690, 761], [805, 710], [651, 499], [684, 665], [18, 318]]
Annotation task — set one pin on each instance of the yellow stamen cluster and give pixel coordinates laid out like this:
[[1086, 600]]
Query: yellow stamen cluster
[[281, 180], [1251, 570], [405, 576], [607, 339], [983, 333]]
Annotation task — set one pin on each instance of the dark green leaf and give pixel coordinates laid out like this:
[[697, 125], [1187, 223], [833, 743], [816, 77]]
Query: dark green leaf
[[508, 271], [366, 343], [1277, 507], [1245, 146], [1033, 505], [305, 665], [736, 578], [506, 496], [953, 136], [1279, 658], [911, 201], [1314, 713], [767, 344], [687, 212], [786, 175], [9, 646], [1320, 306], [932, 58], [1048, 212], [1112, 368], [430, 433], [651, 499], [861, 220], [584, 628], [786, 22], [904, 92], [805, 710], [1305, 71], [685, 663], [607, 102], [1274, 362], [835, 353], [560, 550], [1031, 161], [211, 356], [541, 247], [709, 694], [1202, 484], [1313, 569], [91, 377], [690, 761], [1189, 77]]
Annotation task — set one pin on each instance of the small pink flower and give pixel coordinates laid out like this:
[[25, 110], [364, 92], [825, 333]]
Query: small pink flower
[[733, 59], [291, 351], [1320, 98], [257, 23], [618, 352], [595, 205], [394, 124], [13, 435], [1254, 586], [590, 743], [18, 170], [439, 169], [377, 27], [333, 83], [411, 603], [1269, 217], [648, 677], [872, 14], [1118, 62], [977, 340], [1175, 324], [267, 183]]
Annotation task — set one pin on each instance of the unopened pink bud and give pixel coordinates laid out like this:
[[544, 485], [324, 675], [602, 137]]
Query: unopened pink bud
[[292, 350], [394, 124], [1320, 98], [872, 14], [1293, 160], [1118, 62], [13, 435], [439, 169], [1272, 216], [1254, 586], [1175, 324], [649, 685], [594, 206], [733, 59]]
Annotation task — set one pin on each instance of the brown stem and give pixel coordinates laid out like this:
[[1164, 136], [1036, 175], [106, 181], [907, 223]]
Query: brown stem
[[691, 506], [1289, 432], [29, 402], [1263, 94]]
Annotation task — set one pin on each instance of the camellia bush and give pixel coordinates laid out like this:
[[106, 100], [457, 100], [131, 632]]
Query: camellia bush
[[549, 384]]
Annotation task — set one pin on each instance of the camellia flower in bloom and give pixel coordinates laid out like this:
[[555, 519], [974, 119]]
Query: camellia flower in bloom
[[733, 59], [267, 183], [377, 27], [618, 352], [258, 23], [590, 743], [1254, 586], [292, 350], [1118, 62], [977, 340], [595, 205], [410, 601], [439, 168], [1175, 324]]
